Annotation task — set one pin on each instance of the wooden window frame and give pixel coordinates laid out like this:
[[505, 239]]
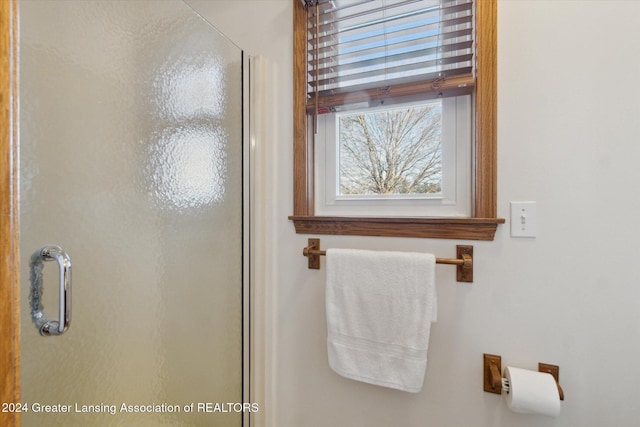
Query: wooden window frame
[[482, 223]]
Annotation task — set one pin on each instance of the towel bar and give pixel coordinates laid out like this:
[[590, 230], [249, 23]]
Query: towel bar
[[464, 260]]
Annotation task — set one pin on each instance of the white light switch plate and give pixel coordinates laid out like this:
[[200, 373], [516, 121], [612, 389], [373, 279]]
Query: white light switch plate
[[523, 219]]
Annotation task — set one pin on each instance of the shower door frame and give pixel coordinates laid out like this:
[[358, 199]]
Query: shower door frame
[[10, 391], [9, 269]]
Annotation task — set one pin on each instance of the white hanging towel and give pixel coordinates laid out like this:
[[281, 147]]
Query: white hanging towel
[[380, 306]]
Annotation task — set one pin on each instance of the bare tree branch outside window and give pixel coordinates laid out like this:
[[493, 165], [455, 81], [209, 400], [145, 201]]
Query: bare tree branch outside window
[[392, 151]]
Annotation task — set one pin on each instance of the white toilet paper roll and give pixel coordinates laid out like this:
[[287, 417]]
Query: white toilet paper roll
[[532, 392]]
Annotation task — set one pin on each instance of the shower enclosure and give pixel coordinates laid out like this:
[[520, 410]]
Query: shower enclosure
[[132, 163]]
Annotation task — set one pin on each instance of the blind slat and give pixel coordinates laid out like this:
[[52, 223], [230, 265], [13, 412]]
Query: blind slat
[[350, 10], [333, 22], [328, 26], [374, 45], [411, 70], [443, 26], [388, 60], [445, 39]]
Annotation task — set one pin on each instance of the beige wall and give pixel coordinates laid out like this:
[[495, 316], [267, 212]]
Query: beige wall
[[568, 131]]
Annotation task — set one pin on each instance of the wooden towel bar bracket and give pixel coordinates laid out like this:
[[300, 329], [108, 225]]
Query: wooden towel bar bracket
[[463, 260]]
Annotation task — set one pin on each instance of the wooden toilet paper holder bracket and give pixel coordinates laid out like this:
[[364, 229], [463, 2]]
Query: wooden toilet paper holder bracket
[[493, 374]]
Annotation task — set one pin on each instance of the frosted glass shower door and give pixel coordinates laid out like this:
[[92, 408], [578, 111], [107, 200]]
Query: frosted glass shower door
[[131, 161]]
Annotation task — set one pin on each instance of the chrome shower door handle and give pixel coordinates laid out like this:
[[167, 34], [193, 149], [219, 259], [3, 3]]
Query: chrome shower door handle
[[44, 325]]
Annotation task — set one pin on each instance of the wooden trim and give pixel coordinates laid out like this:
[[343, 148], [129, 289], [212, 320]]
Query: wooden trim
[[9, 271], [483, 222], [437, 228], [486, 159], [303, 151]]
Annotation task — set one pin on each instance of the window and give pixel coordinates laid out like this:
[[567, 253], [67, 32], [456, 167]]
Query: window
[[395, 161], [353, 58]]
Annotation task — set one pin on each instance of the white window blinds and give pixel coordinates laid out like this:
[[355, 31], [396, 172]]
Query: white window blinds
[[367, 50]]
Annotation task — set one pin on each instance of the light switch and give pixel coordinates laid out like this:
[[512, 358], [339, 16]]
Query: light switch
[[523, 219]]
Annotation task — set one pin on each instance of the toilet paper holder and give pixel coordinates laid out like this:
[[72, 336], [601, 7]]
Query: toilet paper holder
[[494, 383]]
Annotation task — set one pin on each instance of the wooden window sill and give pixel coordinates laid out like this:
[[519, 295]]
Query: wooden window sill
[[437, 228]]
